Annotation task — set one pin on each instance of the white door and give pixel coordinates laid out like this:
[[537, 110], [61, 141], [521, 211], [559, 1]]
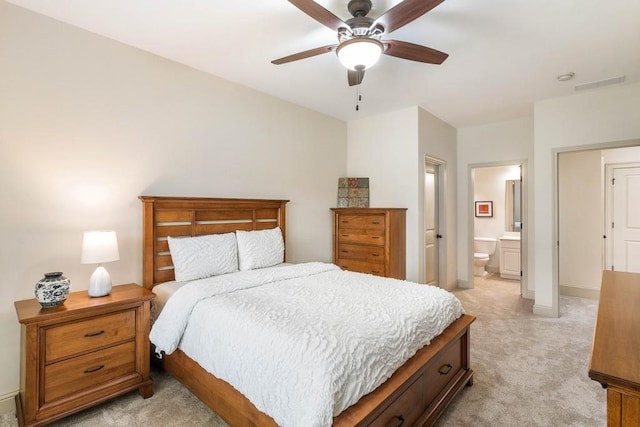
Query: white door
[[626, 220], [431, 224]]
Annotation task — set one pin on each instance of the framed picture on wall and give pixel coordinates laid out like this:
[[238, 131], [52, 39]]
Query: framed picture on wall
[[484, 209]]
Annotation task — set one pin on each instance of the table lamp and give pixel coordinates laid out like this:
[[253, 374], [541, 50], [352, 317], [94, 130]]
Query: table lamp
[[99, 247]]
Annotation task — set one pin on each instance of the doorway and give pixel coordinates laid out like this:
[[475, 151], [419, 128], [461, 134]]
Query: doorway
[[502, 187], [590, 226], [434, 256], [622, 226]]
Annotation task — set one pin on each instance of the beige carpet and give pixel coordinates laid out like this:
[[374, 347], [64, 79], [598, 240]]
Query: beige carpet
[[530, 371]]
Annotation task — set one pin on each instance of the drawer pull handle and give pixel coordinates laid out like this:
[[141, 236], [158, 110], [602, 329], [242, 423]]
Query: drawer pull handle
[[375, 237], [95, 334], [400, 418], [345, 252], [375, 223], [375, 255], [375, 272], [445, 369], [345, 235], [88, 371]]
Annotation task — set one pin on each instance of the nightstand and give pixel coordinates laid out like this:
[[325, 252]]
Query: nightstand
[[83, 352]]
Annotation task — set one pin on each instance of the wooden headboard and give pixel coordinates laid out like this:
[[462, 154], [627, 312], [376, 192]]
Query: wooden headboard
[[196, 216]]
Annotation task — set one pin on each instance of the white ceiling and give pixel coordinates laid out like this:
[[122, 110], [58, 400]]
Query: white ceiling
[[503, 54]]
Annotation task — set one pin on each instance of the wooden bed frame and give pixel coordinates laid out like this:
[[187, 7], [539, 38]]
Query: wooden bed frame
[[416, 394]]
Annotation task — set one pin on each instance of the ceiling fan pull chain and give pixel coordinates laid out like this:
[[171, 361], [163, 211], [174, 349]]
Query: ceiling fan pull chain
[[358, 98]]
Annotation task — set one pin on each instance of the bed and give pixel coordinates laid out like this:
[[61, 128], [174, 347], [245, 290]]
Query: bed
[[415, 394]]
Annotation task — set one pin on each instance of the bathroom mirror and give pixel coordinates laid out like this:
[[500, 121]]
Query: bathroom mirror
[[513, 202]]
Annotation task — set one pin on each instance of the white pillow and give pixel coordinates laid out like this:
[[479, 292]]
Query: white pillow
[[260, 248], [203, 256]]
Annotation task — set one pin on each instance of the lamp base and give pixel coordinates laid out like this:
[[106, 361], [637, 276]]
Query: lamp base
[[99, 283]]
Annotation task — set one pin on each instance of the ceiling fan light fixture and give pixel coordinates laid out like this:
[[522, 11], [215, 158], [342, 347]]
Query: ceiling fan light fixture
[[359, 53]]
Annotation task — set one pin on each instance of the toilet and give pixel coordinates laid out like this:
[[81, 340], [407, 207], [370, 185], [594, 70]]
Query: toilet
[[483, 248]]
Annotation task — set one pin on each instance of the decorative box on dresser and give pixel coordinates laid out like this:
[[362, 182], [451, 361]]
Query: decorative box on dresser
[[82, 352], [615, 354], [370, 240]]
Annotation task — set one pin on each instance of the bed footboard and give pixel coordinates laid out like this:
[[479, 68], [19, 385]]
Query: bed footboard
[[416, 394]]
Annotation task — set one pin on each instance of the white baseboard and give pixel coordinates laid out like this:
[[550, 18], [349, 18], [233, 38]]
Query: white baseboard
[[463, 284], [543, 310], [580, 292], [529, 294], [8, 403]]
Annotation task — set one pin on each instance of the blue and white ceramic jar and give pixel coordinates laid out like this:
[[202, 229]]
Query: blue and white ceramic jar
[[53, 289]]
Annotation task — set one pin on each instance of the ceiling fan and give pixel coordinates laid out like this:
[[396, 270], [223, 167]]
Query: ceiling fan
[[359, 39]]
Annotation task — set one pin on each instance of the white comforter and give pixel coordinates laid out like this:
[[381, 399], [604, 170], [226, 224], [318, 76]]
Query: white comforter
[[303, 342]]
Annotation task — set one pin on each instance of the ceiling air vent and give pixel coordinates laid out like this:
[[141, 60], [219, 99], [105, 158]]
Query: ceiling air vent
[[600, 83]]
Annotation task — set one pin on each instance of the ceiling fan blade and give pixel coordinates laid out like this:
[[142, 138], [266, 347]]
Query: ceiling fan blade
[[405, 12], [306, 54], [319, 13], [355, 77], [414, 52]]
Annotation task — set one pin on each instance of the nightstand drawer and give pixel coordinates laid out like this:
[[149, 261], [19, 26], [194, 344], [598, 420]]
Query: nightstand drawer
[[77, 337], [88, 371]]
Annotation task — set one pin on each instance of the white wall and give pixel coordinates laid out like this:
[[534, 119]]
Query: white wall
[[88, 124], [490, 185], [597, 118], [580, 219], [390, 149], [384, 148], [437, 139], [508, 142]]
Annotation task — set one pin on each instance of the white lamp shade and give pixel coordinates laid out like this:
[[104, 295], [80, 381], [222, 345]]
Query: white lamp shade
[[360, 53], [99, 247]]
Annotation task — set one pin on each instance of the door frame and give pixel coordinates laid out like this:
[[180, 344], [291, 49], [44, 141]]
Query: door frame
[[441, 177], [608, 209], [554, 310], [524, 232]]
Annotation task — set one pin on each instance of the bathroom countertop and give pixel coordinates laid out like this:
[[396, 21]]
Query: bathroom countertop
[[510, 237]]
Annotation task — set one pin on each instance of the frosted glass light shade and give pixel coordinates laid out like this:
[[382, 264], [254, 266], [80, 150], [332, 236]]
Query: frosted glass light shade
[[359, 53], [99, 247]]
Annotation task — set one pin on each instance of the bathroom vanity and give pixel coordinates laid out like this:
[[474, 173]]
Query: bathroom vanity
[[510, 256]]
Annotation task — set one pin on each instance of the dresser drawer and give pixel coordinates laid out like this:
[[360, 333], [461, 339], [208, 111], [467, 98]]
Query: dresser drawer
[[77, 337], [442, 370], [362, 222], [367, 253], [361, 266], [405, 410], [361, 237], [88, 371]]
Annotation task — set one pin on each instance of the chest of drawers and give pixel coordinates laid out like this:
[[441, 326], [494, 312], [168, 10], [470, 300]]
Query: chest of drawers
[[370, 240], [83, 352]]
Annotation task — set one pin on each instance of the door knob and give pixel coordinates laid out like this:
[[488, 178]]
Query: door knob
[[439, 236]]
